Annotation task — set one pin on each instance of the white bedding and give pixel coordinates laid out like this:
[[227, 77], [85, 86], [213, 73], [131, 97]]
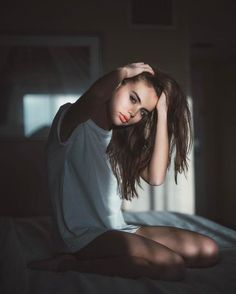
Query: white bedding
[[25, 239]]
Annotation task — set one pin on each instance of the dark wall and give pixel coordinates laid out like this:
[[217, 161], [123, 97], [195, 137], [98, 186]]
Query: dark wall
[[215, 126], [24, 190], [212, 27]]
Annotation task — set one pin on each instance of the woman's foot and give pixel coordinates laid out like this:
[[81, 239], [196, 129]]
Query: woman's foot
[[59, 263]]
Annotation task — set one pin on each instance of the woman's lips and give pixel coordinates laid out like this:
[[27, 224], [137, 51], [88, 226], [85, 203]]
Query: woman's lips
[[126, 118], [123, 118]]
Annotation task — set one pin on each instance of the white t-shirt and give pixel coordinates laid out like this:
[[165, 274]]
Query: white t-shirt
[[83, 189]]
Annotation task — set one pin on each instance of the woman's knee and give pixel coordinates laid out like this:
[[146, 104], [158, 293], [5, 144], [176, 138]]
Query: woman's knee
[[210, 251], [203, 252]]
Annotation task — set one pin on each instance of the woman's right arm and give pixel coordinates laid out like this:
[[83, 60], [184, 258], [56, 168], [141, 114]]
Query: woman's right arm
[[96, 95]]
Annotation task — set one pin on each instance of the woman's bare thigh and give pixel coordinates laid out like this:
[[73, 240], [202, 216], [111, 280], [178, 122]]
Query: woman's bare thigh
[[120, 253], [197, 249], [115, 243]]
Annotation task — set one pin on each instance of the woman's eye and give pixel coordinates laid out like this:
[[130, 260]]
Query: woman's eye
[[132, 99], [143, 113]]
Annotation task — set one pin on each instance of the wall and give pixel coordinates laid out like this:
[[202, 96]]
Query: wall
[[212, 26], [165, 48], [214, 93]]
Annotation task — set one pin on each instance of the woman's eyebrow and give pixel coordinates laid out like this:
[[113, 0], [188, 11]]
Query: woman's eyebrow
[[137, 96]]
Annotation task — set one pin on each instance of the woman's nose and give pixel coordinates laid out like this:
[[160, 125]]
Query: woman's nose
[[133, 113]]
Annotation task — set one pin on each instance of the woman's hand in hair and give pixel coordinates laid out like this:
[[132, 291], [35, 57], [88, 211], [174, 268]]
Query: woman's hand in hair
[[134, 69], [161, 105]]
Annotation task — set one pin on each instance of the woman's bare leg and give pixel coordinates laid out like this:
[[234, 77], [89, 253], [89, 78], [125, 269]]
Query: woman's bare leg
[[197, 249], [126, 266], [122, 254]]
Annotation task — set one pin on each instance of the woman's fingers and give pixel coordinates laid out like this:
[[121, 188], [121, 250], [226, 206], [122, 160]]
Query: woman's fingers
[[137, 68], [149, 68]]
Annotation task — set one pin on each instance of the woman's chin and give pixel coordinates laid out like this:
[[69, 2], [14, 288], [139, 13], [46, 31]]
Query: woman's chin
[[117, 122], [119, 125]]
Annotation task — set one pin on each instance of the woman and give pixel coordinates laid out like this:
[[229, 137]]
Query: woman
[[124, 127]]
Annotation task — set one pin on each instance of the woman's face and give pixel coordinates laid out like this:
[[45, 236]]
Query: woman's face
[[131, 102]]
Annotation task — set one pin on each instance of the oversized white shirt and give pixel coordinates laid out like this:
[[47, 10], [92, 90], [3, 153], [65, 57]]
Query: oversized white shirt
[[83, 189]]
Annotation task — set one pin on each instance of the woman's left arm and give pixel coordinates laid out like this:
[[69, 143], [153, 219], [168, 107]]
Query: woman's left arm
[[155, 173]]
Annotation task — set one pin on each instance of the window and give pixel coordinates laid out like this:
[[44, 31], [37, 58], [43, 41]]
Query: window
[[37, 75]]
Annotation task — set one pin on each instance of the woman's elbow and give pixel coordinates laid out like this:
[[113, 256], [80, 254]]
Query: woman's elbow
[[157, 182]]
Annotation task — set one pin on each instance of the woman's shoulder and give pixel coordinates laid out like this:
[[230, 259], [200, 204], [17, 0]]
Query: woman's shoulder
[[74, 115], [55, 135]]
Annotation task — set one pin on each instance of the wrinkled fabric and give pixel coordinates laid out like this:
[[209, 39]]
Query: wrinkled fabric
[[83, 188]]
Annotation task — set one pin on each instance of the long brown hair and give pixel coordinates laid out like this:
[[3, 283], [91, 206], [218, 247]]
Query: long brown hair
[[131, 147]]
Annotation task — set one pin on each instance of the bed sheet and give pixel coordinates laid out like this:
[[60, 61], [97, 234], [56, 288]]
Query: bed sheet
[[25, 239]]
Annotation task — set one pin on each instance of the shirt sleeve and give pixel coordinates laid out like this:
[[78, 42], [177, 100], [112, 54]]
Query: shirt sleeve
[[54, 134]]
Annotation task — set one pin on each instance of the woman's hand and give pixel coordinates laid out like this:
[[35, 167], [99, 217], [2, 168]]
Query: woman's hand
[[134, 69], [162, 103]]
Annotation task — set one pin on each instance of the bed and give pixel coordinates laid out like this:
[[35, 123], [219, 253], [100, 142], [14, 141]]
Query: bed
[[23, 239]]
